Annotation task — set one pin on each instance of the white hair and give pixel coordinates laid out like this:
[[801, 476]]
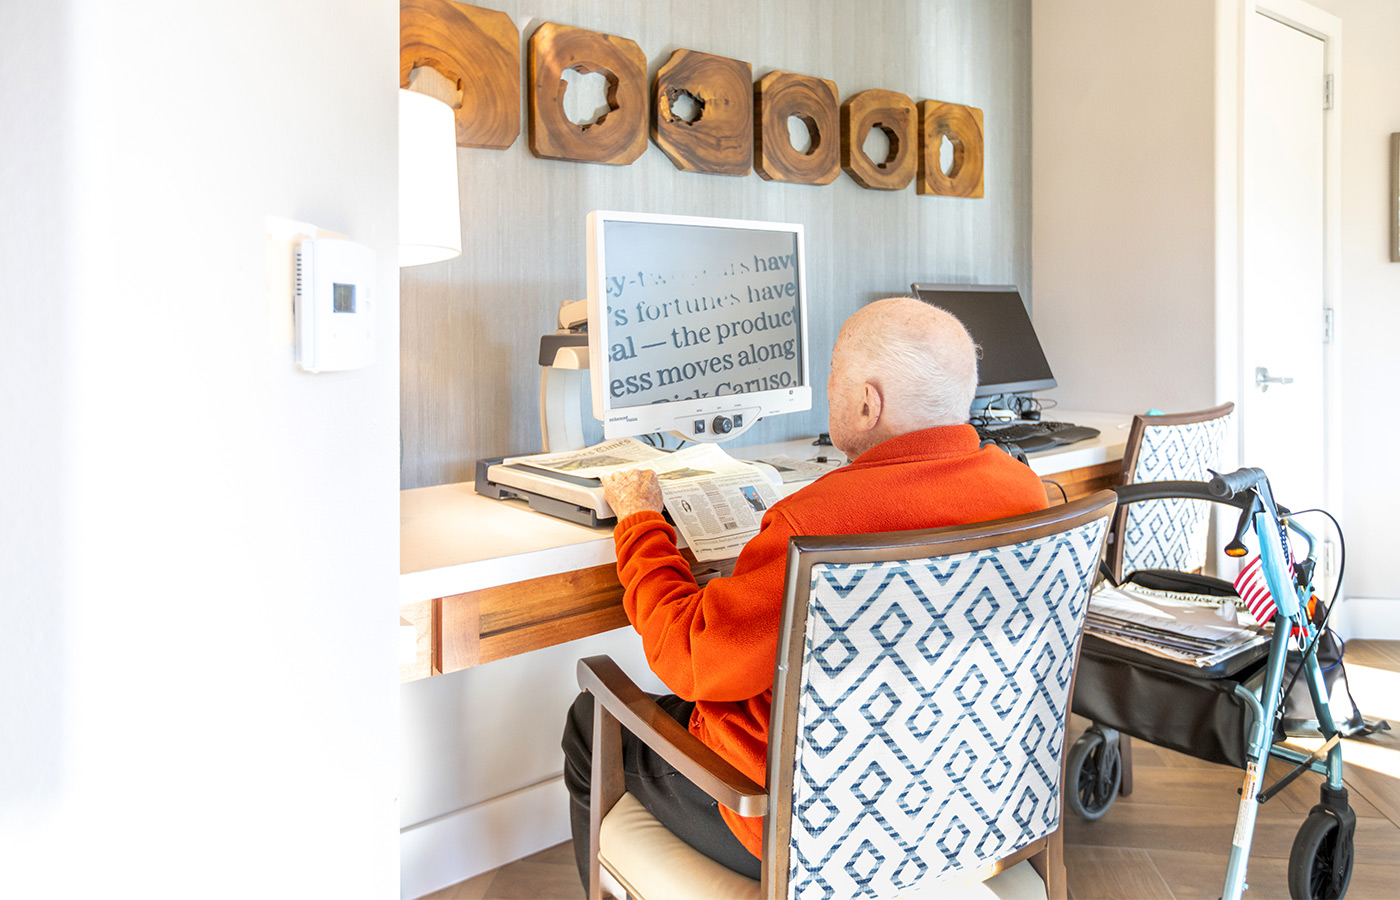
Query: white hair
[[922, 359]]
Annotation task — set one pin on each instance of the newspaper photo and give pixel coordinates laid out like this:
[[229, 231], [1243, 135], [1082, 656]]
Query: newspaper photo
[[715, 500]]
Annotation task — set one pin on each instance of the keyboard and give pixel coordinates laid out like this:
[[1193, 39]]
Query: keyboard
[[1029, 436]]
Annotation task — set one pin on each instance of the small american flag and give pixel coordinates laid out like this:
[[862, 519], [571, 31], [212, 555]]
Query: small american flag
[[1254, 591]]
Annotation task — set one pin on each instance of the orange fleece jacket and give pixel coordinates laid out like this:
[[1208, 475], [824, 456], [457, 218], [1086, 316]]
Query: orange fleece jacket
[[716, 645]]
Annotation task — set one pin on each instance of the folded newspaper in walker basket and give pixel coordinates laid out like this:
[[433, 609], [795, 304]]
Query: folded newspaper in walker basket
[[715, 500], [1189, 632]]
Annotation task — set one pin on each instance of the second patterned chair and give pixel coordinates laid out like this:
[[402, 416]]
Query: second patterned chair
[[1167, 534]]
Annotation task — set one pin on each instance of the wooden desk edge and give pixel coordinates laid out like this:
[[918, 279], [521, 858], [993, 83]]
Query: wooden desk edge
[[469, 629], [464, 630]]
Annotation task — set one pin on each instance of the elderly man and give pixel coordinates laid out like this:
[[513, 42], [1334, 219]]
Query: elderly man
[[902, 379]]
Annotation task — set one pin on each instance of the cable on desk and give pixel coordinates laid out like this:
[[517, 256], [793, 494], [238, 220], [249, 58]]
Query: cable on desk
[[1021, 406], [1027, 403]]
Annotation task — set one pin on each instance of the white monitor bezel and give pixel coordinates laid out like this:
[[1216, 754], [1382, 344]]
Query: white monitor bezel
[[678, 416]]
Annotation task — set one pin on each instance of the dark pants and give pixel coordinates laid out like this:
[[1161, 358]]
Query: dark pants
[[688, 812]]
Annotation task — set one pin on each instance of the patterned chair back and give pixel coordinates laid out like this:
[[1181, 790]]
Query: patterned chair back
[[1168, 534], [922, 698]]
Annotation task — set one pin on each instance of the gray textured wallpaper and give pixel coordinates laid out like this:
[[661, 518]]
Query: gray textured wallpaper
[[471, 326]]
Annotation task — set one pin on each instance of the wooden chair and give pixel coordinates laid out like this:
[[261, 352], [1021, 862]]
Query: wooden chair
[[1164, 534], [1167, 534], [920, 701]]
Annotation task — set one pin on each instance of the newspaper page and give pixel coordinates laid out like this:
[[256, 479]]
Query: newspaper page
[[793, 469], [715, 500], [593, 462], [1186, 632]]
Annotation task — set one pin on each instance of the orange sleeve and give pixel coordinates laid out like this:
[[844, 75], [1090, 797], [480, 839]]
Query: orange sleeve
[[713, 643]]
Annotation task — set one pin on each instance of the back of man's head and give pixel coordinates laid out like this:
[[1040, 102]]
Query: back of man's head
[[920, 357]]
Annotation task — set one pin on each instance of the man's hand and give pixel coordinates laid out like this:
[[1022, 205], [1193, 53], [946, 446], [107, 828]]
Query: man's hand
[[632, 491]]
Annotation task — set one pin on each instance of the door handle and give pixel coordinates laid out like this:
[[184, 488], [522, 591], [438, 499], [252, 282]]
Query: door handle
[[1262, 380]]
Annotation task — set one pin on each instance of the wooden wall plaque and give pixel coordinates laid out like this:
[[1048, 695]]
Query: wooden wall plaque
[[477, 49], [718, 140], [620, 136], [780, 95], [962, 125], [899, 117]]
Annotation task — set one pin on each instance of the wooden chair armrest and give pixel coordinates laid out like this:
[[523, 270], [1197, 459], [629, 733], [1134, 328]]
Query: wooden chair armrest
[[639, 714]]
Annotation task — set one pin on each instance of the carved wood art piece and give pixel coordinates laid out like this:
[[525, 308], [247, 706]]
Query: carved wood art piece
[[620, 136], [718, 137], [779, 96], [478, 50], [962, 126], [897, 115]]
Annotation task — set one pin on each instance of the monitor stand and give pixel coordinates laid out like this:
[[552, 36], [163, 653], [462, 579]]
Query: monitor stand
[[563, 389], [564, 384], [562, 394]]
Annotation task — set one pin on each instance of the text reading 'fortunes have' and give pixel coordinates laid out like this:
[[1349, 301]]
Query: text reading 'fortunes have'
[[729, 329]]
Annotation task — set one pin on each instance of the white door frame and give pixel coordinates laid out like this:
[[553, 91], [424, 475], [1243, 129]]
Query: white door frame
[[1234, 19]]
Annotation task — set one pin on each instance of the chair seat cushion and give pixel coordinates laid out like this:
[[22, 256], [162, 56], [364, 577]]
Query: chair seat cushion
[[651, 862], [654, 864]]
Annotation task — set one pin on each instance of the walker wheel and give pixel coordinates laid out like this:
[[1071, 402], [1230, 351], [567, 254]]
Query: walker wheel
[[1316, 871], [1094, 770]]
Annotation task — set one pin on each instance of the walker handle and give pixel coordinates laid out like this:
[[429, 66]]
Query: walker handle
[[1237, 482]]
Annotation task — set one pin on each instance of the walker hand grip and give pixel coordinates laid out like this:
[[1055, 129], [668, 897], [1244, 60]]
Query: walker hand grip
[[1236, 482]]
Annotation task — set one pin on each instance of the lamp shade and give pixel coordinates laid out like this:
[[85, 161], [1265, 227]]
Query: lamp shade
[[430, 226]]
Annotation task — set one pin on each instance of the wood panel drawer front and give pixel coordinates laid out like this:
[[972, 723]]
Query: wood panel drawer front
[[497, 622], [1084, 481], [510, 619], [416, 641], [527, 604]]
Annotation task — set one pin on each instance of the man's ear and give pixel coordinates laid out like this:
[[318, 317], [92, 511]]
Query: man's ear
[[872, 407]]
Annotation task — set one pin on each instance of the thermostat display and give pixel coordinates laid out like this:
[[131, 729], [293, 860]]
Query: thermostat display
[[343, 298], [334, 307]]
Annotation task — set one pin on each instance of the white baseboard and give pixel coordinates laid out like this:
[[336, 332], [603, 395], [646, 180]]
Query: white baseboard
[[1376, 618], [459, 845]]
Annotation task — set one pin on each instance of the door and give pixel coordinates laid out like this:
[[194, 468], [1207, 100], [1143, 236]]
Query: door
[[1283, 422]]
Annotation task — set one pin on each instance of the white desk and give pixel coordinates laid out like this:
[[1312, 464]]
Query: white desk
[[484, 579]]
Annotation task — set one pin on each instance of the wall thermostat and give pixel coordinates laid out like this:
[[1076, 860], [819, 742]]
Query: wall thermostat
[[333, 306]]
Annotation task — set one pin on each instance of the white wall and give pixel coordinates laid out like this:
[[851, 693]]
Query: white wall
[[200, 542], [482, 766], [1123, 188], [1132, 242], [35, 283]]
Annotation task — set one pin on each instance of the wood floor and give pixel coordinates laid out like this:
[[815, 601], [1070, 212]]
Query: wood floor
[[1170, 839]]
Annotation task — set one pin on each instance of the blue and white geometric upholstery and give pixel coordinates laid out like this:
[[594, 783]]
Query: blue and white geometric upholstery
[[1172, 534], [931, 713]]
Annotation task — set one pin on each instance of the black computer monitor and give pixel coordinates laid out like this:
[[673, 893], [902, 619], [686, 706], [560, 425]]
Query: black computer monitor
[[1012, 360]]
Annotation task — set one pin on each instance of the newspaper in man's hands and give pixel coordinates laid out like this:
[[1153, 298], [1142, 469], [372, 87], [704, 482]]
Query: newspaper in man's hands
[[715, 500]]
